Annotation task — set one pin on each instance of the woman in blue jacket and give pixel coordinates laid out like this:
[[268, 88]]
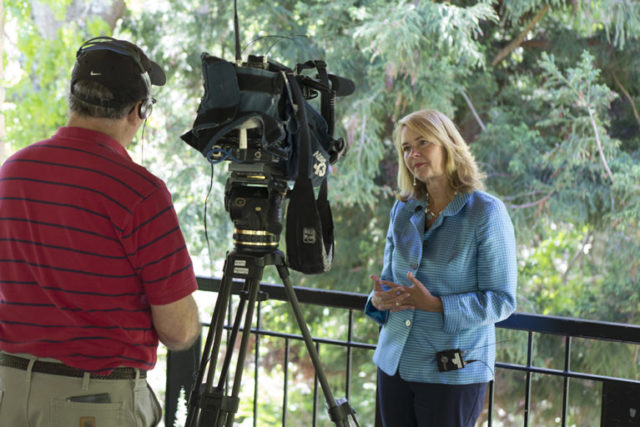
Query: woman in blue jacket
[[449, 275]]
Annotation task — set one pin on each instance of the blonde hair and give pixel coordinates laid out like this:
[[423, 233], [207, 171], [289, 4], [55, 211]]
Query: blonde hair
[[460, 166]]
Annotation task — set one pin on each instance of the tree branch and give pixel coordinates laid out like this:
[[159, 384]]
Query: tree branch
[[518, 40], [600, 150], [538, 43], [627, 95], [473, 110], [536, 203], [529, 194], [576, 256], [362, 137]]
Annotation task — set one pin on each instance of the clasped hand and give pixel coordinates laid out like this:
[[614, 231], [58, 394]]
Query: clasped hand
[[399, 297]]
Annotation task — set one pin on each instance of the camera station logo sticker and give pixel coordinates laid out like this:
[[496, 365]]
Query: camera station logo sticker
[[308, 235], [320, 164]]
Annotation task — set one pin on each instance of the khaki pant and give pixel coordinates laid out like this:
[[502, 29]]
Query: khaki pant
[[34, 399]]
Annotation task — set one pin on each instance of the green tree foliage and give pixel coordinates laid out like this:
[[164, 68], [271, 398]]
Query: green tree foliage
[[545, 91], [35, 103]]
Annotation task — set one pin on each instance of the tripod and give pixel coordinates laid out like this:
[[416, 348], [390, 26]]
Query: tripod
[[253, 197], [208, 405]]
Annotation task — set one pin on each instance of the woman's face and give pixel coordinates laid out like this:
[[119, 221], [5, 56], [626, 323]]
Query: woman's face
[[425, 159]]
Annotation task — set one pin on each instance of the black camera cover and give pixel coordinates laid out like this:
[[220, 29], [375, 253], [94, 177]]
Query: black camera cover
[[282, 128], [260, 101]]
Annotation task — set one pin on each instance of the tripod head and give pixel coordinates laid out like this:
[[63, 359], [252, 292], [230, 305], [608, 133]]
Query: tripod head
[[254, 199]]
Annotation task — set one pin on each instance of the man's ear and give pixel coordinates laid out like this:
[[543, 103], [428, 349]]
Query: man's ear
[[133, 116]]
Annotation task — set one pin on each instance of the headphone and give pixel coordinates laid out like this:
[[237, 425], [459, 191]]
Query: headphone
[[114, 45], [146, 106]]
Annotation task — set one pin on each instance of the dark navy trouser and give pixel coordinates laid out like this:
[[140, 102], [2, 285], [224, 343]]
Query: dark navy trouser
[[408, 404]]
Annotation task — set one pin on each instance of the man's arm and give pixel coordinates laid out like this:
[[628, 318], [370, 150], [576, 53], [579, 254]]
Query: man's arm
[[177, 323]]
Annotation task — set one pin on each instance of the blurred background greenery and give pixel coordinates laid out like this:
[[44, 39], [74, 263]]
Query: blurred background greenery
[[545, 92]]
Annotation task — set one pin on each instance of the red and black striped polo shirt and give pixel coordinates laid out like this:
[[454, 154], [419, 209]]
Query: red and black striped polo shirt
[[88, 240]]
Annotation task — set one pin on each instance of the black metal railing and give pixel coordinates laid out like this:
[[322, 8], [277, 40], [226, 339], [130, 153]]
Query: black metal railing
[[180, 366]]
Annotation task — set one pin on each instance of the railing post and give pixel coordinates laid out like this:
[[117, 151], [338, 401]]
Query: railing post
[[181, 369], [527, 401], [349, 340], [378, 420], [285, 394], [565, 391], [490, 404]]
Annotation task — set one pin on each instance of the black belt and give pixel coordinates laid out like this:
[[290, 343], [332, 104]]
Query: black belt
[[67, 371]]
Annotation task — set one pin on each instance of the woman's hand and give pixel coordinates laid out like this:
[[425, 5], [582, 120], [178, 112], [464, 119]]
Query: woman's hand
[[400, 297], [418, 296], [392, 299]]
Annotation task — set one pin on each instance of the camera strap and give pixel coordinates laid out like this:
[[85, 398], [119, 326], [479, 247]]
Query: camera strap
[[327, 95], [309, 230]]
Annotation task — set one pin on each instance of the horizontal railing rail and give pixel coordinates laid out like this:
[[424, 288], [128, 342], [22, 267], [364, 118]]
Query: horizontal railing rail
[[180, 372]]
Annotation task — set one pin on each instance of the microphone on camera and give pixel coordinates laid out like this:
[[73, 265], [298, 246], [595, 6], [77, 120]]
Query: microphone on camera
[[342, 86]]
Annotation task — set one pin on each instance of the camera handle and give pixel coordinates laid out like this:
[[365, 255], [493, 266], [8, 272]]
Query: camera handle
[[208, 405]]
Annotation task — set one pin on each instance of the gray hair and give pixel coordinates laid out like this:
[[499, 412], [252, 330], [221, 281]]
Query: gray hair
[[84, 90]]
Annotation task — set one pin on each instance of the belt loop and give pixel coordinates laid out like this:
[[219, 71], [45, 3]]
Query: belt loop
[[28, 387], [138, 381], [29, 368], [85, 381]]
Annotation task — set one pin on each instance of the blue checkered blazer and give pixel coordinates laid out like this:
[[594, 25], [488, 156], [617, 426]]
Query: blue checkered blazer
[[468, 259]]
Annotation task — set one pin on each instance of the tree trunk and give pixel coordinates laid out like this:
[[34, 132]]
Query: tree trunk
[[79, 10]]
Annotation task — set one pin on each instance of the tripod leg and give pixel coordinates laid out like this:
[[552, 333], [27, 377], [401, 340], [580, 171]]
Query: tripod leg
[[337, 413], [224, 370], [213, 339], [253, 287], [214, 408], [220, 409], [215, 413], [210, 407], [222, 304]]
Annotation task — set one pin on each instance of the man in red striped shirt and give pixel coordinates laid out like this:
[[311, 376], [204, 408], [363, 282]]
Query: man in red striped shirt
[[93, 266]]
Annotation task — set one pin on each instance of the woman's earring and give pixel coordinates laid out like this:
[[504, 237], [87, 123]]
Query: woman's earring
[[414, 180]]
